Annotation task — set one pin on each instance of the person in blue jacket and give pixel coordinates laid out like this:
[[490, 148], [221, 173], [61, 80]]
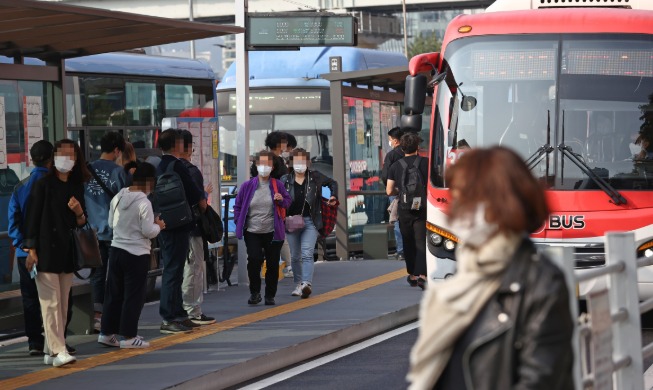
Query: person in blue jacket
[[41, 154]]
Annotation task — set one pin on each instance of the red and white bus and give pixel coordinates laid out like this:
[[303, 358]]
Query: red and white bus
[[569, 86]]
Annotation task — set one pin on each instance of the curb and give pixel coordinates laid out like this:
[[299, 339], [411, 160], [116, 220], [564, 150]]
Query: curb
[[288, 356]]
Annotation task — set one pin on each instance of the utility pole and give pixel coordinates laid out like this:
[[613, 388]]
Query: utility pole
[[242, 122], [192, 43], [403, 3]]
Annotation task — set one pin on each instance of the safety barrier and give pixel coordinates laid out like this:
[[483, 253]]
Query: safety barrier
[[608, 349]]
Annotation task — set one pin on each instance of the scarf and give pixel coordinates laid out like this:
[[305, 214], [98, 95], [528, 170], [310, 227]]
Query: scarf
[[449, 308]]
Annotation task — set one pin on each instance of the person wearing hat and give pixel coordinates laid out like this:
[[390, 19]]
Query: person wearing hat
[[41, 154]]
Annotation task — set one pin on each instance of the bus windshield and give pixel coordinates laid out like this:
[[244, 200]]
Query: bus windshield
[[576, 107]]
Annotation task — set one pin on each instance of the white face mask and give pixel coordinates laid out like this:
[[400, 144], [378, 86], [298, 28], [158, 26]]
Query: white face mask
[[390, 144], [264, 170], [64, 164], [474, 230], [285, 154], [299, 167]]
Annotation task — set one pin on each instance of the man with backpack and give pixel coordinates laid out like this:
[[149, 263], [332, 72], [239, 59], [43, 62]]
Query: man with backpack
[[407, 179], [395, 154], [179, 201], [107, 179]]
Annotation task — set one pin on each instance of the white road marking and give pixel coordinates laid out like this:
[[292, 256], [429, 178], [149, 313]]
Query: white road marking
[[282, 376]]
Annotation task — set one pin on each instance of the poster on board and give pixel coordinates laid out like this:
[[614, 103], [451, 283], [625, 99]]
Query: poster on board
[[376, 123], [33, 120], [3, 135], [360, 123]]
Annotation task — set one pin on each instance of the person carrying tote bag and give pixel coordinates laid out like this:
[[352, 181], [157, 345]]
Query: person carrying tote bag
[[305, 218], [56, 207]]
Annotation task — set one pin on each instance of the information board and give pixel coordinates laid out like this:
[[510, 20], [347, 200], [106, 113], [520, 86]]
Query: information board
[[281, 30]]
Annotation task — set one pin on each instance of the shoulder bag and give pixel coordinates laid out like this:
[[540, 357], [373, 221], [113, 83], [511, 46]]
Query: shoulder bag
[[99, 181], [296, 222], [280, 210], [86, 248]]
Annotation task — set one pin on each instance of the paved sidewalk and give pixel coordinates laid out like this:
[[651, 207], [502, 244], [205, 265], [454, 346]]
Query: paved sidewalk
[[351, 300]]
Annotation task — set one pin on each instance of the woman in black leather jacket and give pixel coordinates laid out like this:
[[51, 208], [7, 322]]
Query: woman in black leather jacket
[[503, 321], [305, 188]]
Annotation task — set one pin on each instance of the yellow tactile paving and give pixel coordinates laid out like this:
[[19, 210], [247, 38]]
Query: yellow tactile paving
[[206, 330]]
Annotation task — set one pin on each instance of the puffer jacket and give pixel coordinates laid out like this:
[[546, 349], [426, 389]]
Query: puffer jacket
[[316, 180], [522, 339]]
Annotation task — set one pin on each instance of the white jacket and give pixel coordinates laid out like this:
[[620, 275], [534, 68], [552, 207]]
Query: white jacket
[[132, 220]]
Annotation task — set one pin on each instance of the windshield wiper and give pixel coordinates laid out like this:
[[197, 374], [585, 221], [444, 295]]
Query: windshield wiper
[[544, 150], [616, 197]]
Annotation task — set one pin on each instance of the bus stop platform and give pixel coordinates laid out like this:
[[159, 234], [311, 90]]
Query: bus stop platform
[[351, 301]]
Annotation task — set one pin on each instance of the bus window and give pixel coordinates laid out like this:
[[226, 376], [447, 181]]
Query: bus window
[[140, 104], [105, 99]]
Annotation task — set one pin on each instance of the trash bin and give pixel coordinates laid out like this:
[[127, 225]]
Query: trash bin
[[375, 241]]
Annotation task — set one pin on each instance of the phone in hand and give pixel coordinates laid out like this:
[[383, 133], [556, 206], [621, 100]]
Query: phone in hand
[[33, 272]]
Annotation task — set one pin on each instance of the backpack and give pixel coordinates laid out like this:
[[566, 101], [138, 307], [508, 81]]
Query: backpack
[[170, 199], [211, 225], [413, 190]]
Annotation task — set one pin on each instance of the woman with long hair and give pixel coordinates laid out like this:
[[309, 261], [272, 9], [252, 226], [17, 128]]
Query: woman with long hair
[[503, 320], [56, 206], [259, 222], [305, 188]]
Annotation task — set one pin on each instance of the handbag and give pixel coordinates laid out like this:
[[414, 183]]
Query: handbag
[[211, 225], [280, 210], [392, 210], [86, 248], [329, 215], [296, 222]]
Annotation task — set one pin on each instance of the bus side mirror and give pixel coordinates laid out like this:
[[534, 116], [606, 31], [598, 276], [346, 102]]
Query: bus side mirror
[[415, 94], [411, 122]]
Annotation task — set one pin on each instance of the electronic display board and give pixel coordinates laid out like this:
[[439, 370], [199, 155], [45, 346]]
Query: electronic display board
[[290, 30]]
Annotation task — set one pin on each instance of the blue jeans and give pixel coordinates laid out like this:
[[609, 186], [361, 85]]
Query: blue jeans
[[302, 247], [398, 239], [99, 277], [174, 252]]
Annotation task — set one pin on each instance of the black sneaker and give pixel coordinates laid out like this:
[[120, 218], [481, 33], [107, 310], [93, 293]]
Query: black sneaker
[[71, 350], [269, 301], [202, 320], [188, 323], [254, 299], [35, 350], [173, 327]]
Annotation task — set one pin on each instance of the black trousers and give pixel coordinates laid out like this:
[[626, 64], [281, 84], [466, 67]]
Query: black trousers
[[413, 231], [32, 306], [174, 246], [125, 293], [99, 277], [257, 244]]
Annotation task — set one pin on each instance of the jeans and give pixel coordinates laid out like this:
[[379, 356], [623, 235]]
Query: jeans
[[398, 239], [99, 277], [174, 250], [413, 230], [31, 306], [302, 248], [257, 244], [125, 293]]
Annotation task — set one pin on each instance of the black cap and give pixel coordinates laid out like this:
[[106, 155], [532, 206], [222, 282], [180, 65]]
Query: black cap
[[41, 152]]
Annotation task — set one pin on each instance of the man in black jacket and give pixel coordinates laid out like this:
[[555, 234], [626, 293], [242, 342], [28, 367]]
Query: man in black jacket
[[174, 243], [394, 155]]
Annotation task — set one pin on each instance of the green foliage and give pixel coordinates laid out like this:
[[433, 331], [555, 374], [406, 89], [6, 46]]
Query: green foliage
[[424, 44]]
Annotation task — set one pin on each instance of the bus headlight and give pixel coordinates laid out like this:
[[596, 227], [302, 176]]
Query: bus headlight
[[449, 245], [435, 239], [648, 252], [646, 249]]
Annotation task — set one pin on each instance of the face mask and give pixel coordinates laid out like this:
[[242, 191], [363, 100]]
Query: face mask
[[63, 164], [285, 154], [299, 167], [264, 170], [474, 230], [390, 143]]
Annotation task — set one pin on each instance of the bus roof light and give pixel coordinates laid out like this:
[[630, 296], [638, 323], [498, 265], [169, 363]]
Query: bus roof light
[[464, 29]]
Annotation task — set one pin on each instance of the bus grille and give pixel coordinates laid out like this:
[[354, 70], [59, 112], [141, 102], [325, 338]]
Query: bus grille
[[589, 257]]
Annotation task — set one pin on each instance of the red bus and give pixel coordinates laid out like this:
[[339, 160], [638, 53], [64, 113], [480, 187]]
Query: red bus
[[569, 86]]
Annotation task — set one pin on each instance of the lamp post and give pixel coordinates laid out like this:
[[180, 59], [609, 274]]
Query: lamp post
[[192, 43], [403, 3]]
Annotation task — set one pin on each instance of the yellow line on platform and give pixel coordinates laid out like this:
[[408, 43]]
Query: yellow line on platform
[[206, 330]]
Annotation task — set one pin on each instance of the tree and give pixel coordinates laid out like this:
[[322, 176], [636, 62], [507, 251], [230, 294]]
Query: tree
[[424, 44]]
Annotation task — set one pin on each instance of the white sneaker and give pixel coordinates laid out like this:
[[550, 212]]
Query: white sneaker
[[47, 359], [109, 340], [136, 342], [306, 290], [297, 291], [62, 359]]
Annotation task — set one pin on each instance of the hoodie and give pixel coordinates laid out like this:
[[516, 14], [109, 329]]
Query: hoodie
[[132, 220]]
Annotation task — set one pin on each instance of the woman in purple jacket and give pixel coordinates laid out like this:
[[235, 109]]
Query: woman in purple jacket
[[258, 221]]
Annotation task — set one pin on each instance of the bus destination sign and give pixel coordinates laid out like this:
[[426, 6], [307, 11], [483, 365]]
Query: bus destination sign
[[292, 31]]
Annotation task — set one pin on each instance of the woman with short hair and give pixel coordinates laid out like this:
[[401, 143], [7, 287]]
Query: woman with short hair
[[503, 320]]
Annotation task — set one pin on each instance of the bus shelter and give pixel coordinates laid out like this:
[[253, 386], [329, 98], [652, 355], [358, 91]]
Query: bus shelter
[[35, 39], [364, 106]]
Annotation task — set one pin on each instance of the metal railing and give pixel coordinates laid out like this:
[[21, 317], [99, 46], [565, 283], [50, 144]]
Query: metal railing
[[621, 283]]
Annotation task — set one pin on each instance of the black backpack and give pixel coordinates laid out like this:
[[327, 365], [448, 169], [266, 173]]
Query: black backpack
[[413, 189], [170, 199], [211, 225]]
